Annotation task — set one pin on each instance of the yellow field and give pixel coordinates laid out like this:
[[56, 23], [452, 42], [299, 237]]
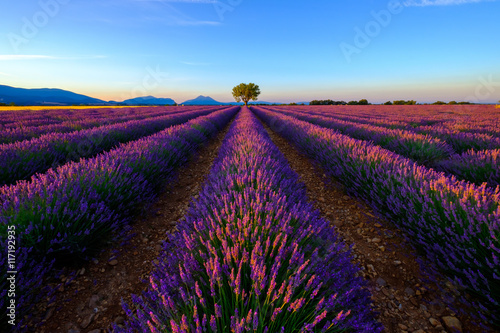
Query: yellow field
[[37, 108]]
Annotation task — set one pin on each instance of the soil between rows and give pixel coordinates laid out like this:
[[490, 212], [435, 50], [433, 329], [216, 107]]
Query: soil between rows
[[404, 301], [91, 301]]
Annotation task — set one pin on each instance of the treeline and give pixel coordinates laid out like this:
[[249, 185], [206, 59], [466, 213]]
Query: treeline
[[330, 102], [412, 102], [451, 103], [365, 102], [401, 102]]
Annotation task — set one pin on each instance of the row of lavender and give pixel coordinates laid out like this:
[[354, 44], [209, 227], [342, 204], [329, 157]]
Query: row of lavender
[[21, 160], [28, 118], [472, 131], [70, 212], [478, 131], [455, 224], [476, 166], [481, 119], [461, 139], [252, 254], [21, 132], [32, 118], [472, 119], [422, 149]]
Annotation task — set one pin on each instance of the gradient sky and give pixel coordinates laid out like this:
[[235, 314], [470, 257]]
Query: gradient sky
[[425, 50]]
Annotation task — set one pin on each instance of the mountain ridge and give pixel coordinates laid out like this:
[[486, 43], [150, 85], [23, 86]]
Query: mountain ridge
[[56, 96], [149, 100], [44, 96], [203, 100]]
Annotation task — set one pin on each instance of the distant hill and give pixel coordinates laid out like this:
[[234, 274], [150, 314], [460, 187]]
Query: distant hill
[[207, 100], [44, 96], [149, 100], [48, 96], [203, 100]]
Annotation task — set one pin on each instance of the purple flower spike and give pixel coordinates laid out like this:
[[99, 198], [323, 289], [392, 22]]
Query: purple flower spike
[[255, 252]]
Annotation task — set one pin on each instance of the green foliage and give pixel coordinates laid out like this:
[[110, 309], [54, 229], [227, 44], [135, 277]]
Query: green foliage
[[388, 103], [360, 102], [330, 102], [327, 102], [403, 102], [246, 92], [451, 103]]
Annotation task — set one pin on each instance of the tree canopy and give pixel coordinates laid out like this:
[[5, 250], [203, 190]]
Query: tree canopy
[[403, 102], [327, 102], [246, 92]]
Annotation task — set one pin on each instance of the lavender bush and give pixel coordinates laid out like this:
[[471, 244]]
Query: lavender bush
[[423, 149], [461, 141], [70, 212], [253, 255], [21, 160], [475, 166], [455, 224], [25, 130]]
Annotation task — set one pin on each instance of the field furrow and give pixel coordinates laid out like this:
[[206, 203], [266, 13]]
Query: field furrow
[[477, 166], [70, 213], [257, 252], [401, 291], [21, 160], [294, 219], [455, 224], [20, 131], [104, 283]]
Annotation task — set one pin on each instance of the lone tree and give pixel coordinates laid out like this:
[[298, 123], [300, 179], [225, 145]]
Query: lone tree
[[246, 92]]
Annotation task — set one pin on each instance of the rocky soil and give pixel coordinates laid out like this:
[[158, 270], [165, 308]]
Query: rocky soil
[[89, 298], [403, 297]]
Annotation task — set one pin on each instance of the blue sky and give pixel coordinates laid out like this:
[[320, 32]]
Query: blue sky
[[294, 50]]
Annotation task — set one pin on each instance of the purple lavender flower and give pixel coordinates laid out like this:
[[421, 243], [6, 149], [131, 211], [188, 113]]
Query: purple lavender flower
[[455, 223], [253, 197]]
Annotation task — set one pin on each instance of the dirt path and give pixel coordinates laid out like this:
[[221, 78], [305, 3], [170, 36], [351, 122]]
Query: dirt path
[[93, 298], [405, 303]]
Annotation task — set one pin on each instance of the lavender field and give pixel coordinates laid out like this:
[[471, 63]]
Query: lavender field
[[251, 252]]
